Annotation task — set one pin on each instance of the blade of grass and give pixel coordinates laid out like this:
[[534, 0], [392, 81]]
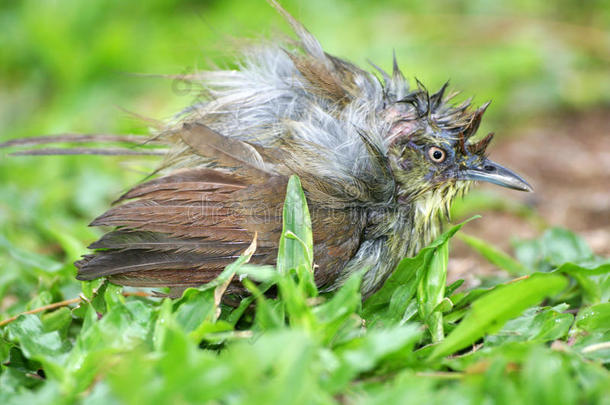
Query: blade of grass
[[431, 291], [495, 255], [491, 311]]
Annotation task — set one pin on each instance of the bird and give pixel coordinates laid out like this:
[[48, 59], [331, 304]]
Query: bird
[[380, 162]]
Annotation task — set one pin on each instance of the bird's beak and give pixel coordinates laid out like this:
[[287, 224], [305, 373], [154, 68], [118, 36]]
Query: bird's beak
[[494, 173]]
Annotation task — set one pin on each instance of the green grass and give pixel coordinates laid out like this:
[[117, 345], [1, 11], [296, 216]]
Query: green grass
[[541, 338], [66, 66]]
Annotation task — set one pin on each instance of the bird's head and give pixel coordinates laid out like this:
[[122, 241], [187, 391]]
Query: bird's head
[[432, 148]]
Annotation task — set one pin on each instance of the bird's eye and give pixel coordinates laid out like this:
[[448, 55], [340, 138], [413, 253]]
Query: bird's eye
[[437, 155]]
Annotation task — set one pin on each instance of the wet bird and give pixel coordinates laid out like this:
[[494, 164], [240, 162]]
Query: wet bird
[[380, 163]]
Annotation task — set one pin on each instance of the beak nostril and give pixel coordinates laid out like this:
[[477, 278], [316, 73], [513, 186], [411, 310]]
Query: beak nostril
[[494, 173]]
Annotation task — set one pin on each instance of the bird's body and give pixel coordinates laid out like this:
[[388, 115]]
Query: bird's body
[[379, 163]]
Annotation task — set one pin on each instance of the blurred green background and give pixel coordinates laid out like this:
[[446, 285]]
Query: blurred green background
[[73, 66]]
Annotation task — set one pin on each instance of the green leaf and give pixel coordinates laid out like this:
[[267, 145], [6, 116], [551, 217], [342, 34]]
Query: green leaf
[[113, 296], [494, 309], [364, 353], [89, 287], [72, 246], [36, 344], [431, 291], [535, 325], [495, 255], [546, 379], [561, 246], [236, 314], [124, 327], [58, 320], [49, 393], [595, 318], [594, 346], [563, 251], [555, 247], [163, 323], [444, 306], [334, 313], [295, 300], [296, 243], [40, 263], [585, 274], [269, 314], [193, 308], [453, 286], [295, 258]]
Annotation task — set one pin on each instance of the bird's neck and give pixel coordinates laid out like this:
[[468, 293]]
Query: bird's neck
[[400, 231], [426, 215], [415, 226], [405, 230]]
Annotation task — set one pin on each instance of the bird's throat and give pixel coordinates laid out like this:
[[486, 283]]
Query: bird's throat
[[422, 221]]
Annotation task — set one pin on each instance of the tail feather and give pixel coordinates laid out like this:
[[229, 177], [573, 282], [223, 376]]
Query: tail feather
[[88, 151], [117, 262], [123, 240], [134, 145], [176, 280], [74, 138]]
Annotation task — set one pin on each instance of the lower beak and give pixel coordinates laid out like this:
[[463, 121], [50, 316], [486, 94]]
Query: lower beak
[[494, 173]]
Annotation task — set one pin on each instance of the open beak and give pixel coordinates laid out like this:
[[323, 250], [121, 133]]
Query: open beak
[[494, 173]]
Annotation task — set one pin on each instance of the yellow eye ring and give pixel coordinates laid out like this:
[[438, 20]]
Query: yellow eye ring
[[437, 155]]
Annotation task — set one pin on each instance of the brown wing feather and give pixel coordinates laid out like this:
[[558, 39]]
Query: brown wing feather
[[183, 229], [225, 151], [189, 180], [337, 235]]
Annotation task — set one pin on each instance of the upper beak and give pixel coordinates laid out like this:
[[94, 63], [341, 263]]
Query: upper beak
[[494, 173]]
